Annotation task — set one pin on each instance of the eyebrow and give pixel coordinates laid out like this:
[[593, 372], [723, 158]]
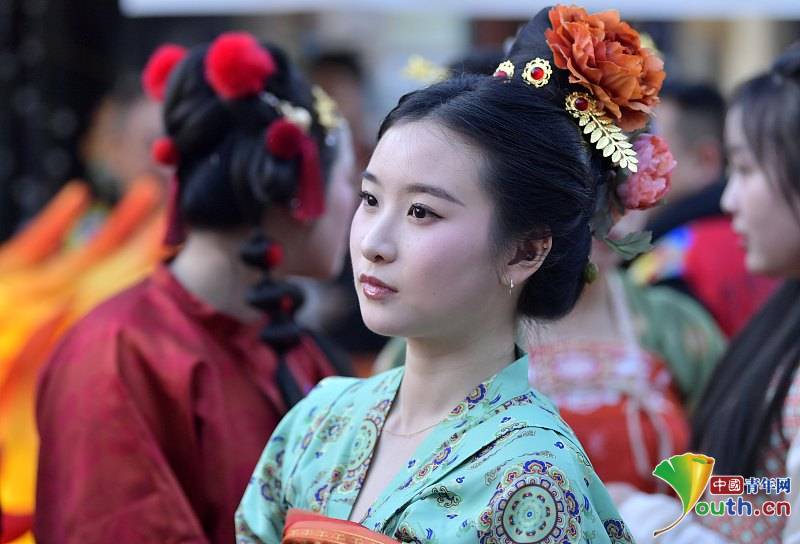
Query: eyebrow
[[419, 188]]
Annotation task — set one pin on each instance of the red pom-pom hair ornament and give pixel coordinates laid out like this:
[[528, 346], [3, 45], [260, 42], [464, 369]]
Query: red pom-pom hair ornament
[[238, 66], [284, 139], [165, 151], [158, 69]]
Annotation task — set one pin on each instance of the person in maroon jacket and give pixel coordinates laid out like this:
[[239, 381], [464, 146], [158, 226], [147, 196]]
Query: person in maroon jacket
[[154, 409]]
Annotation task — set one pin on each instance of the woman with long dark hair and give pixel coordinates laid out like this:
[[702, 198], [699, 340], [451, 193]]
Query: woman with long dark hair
[[478, 207], [748, 419], [154, 409]]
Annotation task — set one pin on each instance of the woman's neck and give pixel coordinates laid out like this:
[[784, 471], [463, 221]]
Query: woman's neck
[[210, 268], [439, 374], [593, 317]]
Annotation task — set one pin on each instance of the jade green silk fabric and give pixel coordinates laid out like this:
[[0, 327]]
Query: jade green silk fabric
[[501, 468]]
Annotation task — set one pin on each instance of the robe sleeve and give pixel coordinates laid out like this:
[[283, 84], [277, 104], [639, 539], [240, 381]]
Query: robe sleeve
[[102, 475]]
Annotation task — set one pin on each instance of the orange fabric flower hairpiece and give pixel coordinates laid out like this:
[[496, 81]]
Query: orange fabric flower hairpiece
[[605, 55]]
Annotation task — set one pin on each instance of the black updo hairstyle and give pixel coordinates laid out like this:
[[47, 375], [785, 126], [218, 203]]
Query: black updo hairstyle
[[228, 179], [539, 170]]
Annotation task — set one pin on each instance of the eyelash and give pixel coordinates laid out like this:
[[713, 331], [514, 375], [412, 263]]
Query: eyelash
[[365, 198]]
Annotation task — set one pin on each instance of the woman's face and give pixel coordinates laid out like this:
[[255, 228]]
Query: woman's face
[[762, 217], [317, 250], [420, 239]]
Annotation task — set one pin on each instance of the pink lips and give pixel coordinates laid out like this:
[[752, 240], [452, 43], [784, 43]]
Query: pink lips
[[375, 289]]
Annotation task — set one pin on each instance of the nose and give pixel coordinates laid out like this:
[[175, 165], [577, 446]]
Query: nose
[[728, 200], [377, 242]]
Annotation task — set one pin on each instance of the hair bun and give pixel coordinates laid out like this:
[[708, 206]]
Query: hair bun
[[788, 64]]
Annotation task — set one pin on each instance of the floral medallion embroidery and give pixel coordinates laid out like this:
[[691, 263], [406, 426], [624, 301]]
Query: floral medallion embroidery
[[349, 479], [533, 503]]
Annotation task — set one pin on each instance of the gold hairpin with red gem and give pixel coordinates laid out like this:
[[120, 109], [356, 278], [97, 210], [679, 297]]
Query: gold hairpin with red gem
[[603, 133], [537, 72]]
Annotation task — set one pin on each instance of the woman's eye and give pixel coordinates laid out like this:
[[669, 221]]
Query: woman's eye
[[420, 212], [368, 199]]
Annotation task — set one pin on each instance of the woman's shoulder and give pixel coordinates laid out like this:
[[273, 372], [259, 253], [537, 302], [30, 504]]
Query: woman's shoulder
[[533, 480]]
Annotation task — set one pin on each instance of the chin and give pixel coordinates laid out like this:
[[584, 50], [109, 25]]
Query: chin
[[381, 321]]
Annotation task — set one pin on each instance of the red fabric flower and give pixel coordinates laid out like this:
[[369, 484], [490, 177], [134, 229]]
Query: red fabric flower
[[158, 69], [284, 139], [165, 151], [238, 66], [605, 55], [651, 182]]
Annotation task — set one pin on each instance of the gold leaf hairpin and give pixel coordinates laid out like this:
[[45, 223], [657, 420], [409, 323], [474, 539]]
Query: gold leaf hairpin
[[421, 69], [325, 106], [603, 133]]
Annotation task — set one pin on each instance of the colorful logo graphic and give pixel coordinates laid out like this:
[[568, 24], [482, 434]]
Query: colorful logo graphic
[[688, 474]]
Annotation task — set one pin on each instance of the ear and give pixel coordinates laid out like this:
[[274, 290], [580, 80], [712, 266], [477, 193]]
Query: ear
[[527, 258]]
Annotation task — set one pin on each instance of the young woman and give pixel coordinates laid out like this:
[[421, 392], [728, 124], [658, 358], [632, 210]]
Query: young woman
[[476, 209], [154, 409], [749, 417]]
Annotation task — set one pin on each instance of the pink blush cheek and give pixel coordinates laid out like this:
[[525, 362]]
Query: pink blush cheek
[[449, 267]]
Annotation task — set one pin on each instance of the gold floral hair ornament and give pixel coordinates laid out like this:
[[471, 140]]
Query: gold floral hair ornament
[[620, 73], [325, 106], [421, 69], [505, 70], [601, 130], [537, 72]]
